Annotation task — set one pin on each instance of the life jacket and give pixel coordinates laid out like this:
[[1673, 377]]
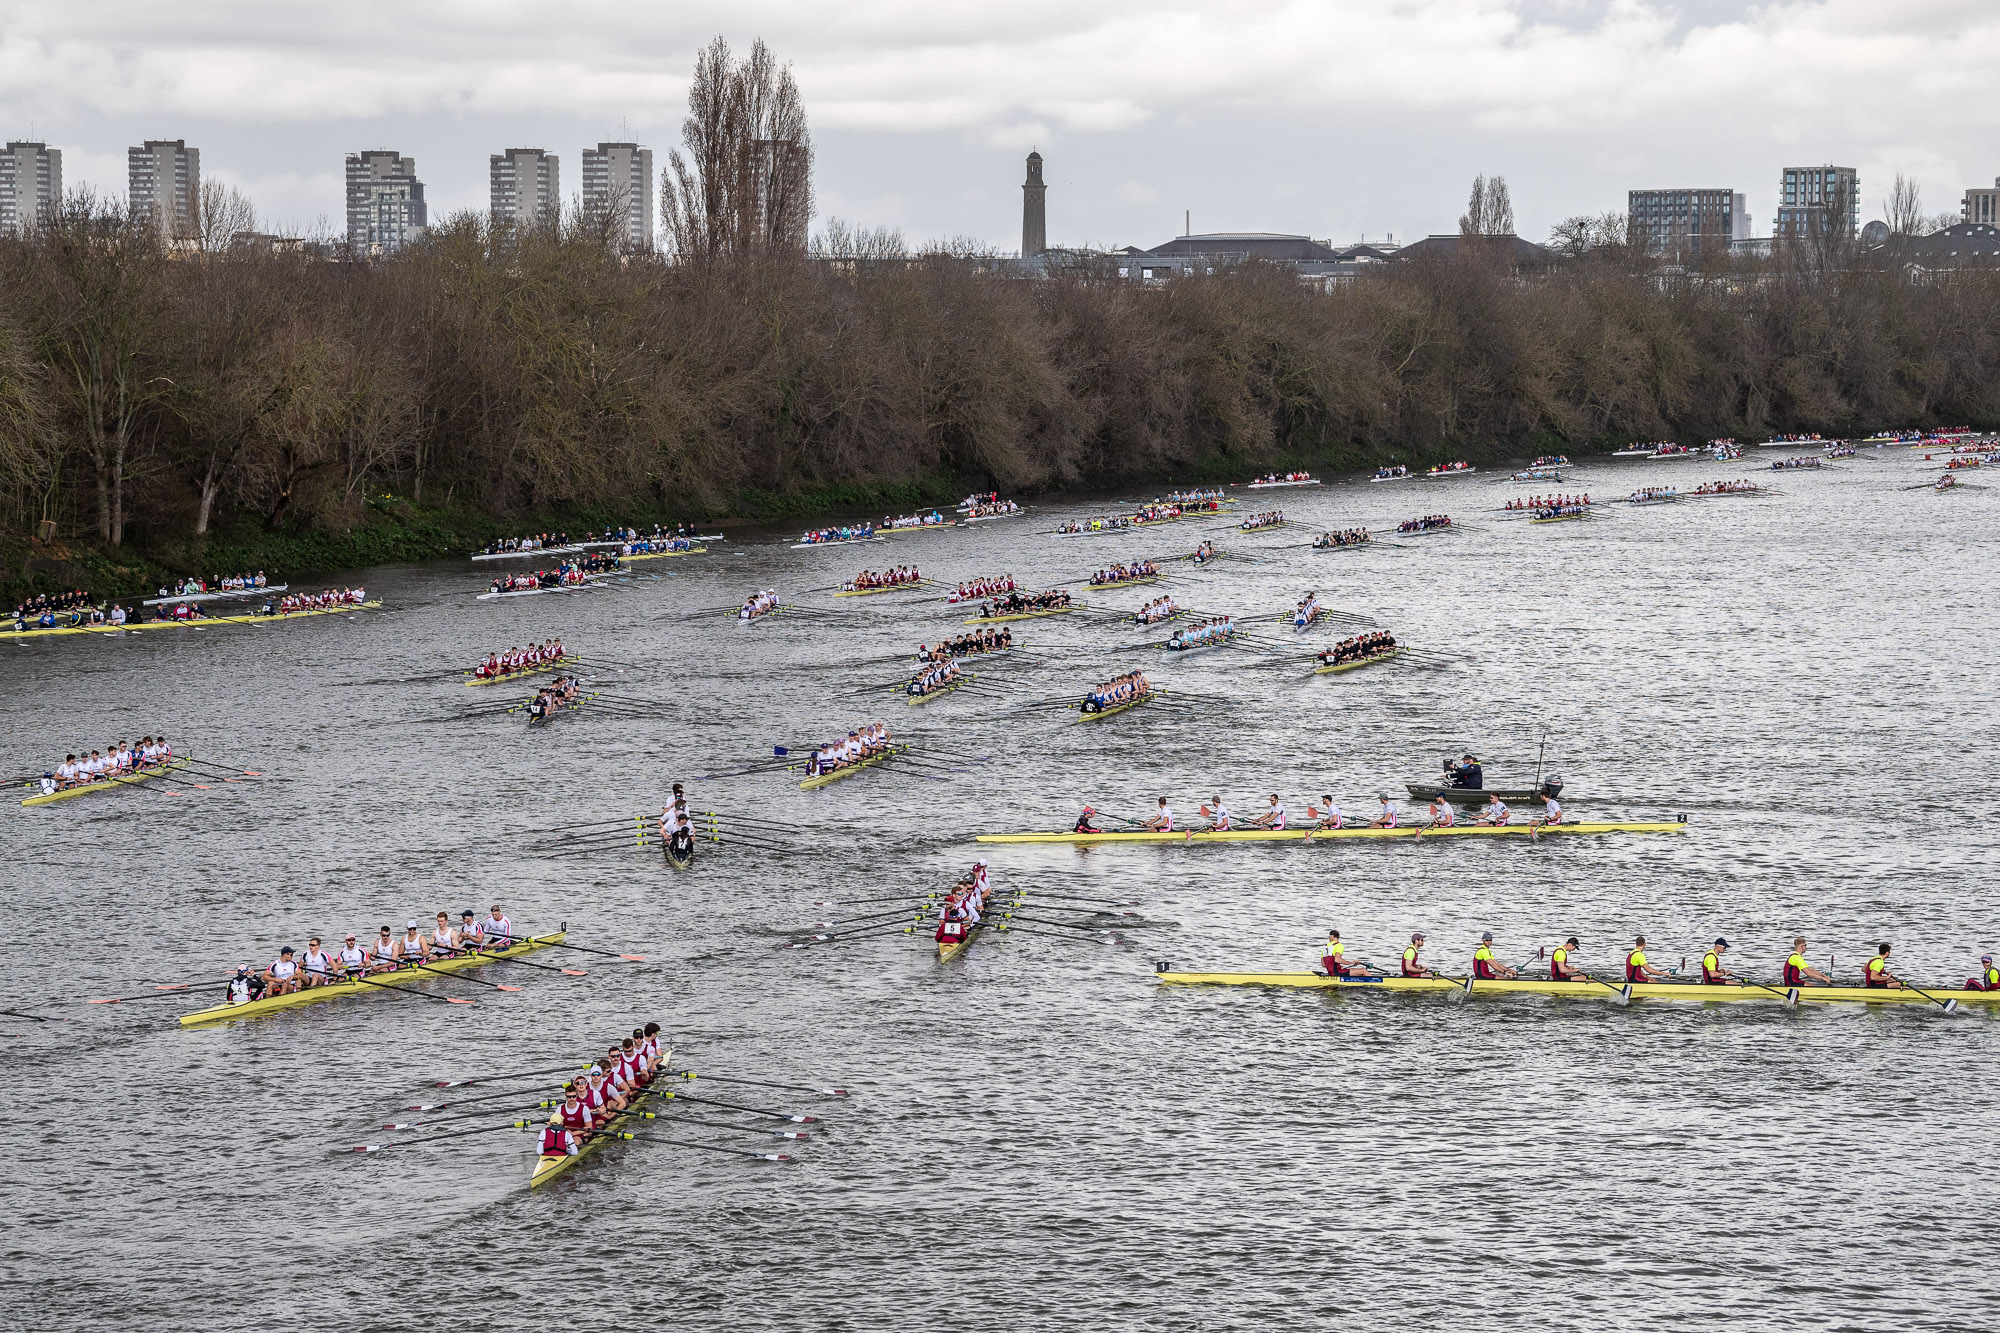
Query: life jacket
[[1871, 975], [1410, 966], [1795, 974], [1557, 961], [1482, 964], [1710, 965], [1634, 961], [557, 1141]]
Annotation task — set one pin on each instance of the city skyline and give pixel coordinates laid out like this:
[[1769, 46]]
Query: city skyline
[[1264, 121]]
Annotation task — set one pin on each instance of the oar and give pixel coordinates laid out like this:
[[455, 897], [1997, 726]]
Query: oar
[[438, 1138], [711, 1147], [1949, 1006], [747, 1110], [838, 936], [755, 1083], [427, 967], [39, 1018], [158, 991], [799, 1135], [569, 1066], [581, 948], [1065, 925], [405, 990]]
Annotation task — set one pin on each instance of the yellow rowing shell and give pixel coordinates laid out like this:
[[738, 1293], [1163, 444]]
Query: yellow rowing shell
[[1127, 583], [1326, 835], [1337, 667], [821, 779], [915, 699], [188, 624], [663, 555], [911, 586], [548, 1168], [1022, 615], [1116, 709], [947, 952], [1598, 990], [109, 784], [312, 995], [555, 664]]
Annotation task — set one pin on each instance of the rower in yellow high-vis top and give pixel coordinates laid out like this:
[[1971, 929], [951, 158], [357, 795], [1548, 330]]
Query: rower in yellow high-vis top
[[1798, 972], [1334, 960], [1560, 967], [1636, 966], [1483, 966], [1713, 973], [1877, 974]]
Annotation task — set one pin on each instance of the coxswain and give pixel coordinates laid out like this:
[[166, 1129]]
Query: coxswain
[[317, 965], [1561, 968], [1483, 966], [1083, 824], [242, 987], [1411, 967], [558, 1139], [1989, 975], [1273, 818], [1494, 812], [1163, 821], [1876, 975], [1334, 960], [1798, 973], [1386, 817], [1637, 969], [1713, 973]]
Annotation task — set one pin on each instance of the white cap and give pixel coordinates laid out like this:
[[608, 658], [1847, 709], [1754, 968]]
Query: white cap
[[411, 924]]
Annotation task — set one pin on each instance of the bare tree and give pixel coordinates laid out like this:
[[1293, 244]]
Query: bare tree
[[223, 213], [1489, 212], [745, 183], [1903, 210], [841, 239]]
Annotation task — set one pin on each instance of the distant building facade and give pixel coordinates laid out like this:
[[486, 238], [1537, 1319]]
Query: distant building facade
[[1961, 245], [1979, 206], [1034, 210], [30, 185], [1675, 222], [1818, 201], [385, 201], [163, 181], [1203, 254], [526, 188], [618, 187]]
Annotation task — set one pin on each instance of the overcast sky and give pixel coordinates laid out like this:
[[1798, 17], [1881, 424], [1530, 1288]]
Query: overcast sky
[[1337, 119]]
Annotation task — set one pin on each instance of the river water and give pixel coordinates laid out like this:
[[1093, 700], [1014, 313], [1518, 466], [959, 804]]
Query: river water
[[1038, 1134]]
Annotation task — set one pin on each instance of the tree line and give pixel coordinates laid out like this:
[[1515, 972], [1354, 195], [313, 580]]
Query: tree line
[[148, 394]]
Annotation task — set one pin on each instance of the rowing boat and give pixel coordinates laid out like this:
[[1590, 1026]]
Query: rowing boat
[[1023, 615], [918, 527], [915, 699], [1334, 668], [1439, 474], [821, 779], [911, 586], [314, 994], [663, 555], [571, 549], [1277, 485], [1323, 835], [1264, 527], [548, 1168], [587, 582], [251, 619], [1102, 713], [119, 780], [553, 664], [1587, 990], [227, 594], [1125, 583], [947, 952], [1560, 518]]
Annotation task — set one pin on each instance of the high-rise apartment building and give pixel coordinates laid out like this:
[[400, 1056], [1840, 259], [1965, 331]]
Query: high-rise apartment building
[[385, 201], [1979, 206], [618, 187], [1818, 201], [1683, 222], [163, 178], [526, 188], [30, 185], [1034, 210]]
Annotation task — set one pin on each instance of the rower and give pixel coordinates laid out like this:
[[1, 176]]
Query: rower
[[1560, 967], [1494, 812], [496, 930], [1329, 815], [1162, 822], [574, 1115], [411, 950], [1273, 818], [318, 966], [383, 955], [1218, 816], [469, 938], [1797, 973], [1083, 824], [1442, 815], [1332, 960], [1483, 966], [1637, 969], [1713, 973], [351, 958], [1386, 817], [1552, 810], [444, 940], [1411, 967], [281, 977], [1876, 975]]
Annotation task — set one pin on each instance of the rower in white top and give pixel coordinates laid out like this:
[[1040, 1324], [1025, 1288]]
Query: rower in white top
[[496, 930], [1273, 818], [1386, 817], [1163, 821], [1494, 812], [1442, 815], [1217, 815]]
